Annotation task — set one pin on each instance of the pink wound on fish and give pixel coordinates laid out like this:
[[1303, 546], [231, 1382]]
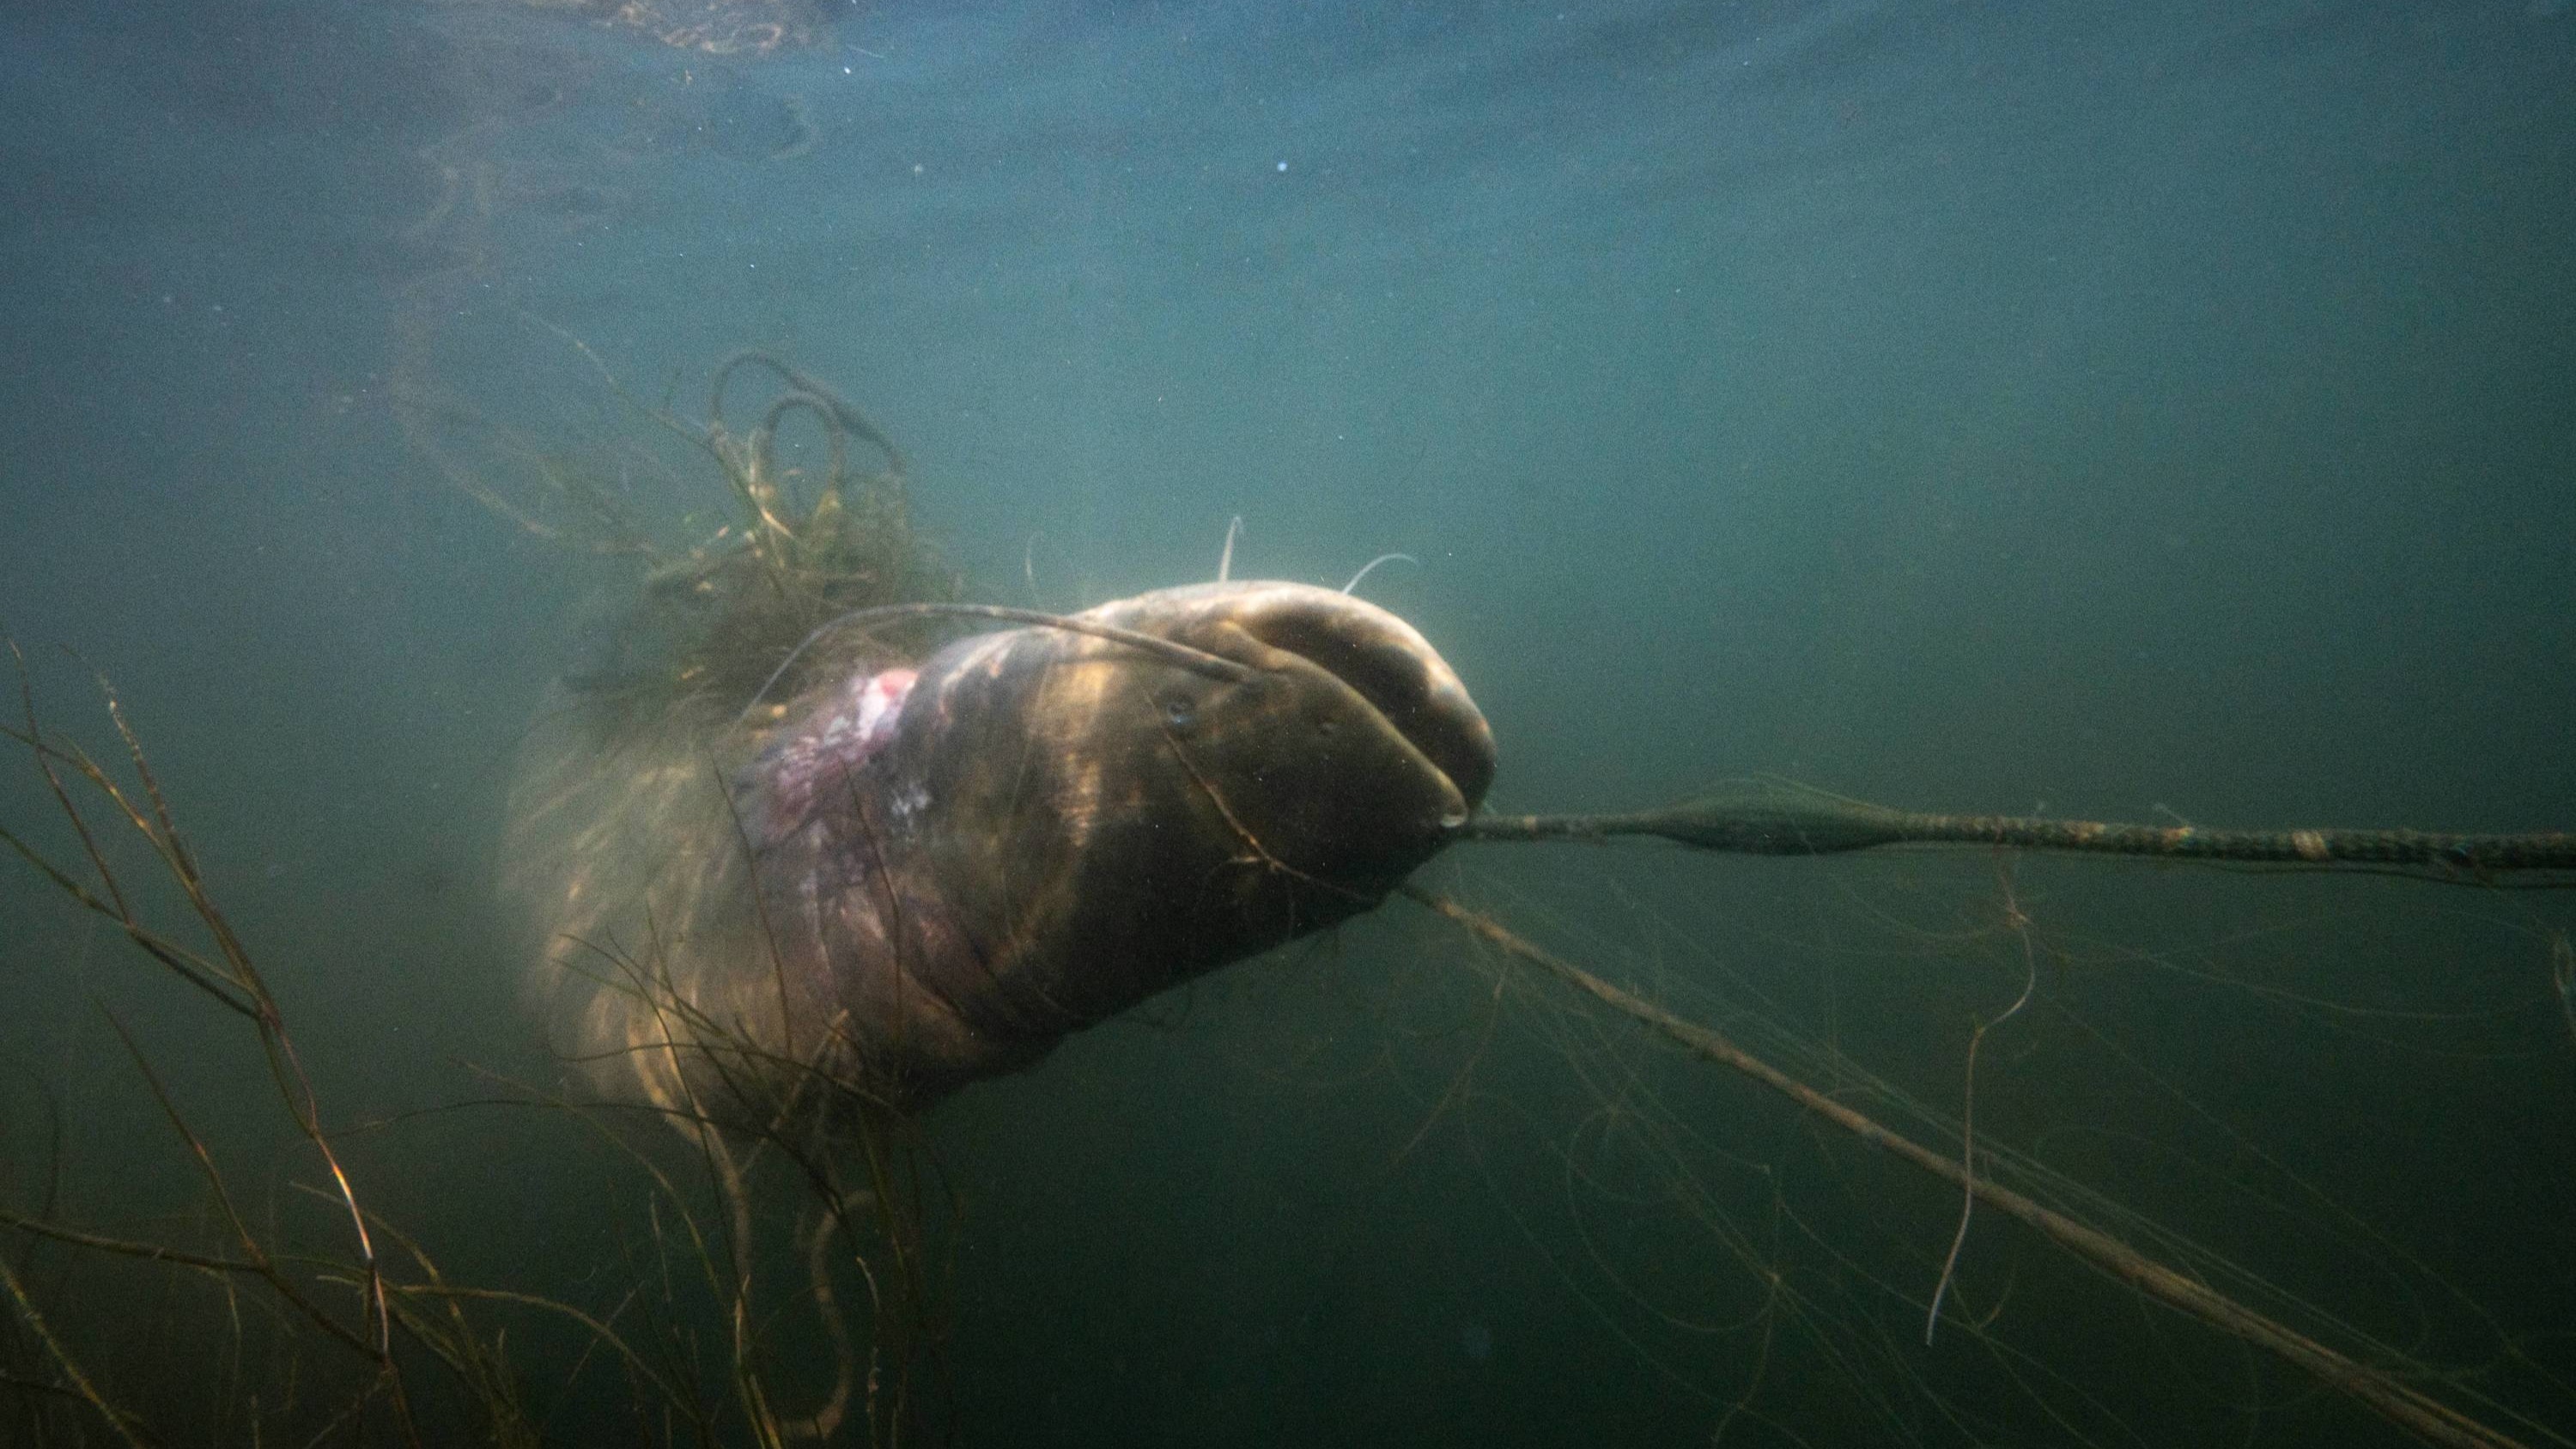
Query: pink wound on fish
[[825, 749]]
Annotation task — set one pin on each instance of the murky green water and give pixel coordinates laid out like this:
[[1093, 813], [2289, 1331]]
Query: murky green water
[[2158, 415]]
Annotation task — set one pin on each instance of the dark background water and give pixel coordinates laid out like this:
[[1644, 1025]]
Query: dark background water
[[2153, 412]]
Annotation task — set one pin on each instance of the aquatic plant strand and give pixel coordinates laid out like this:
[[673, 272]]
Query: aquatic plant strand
[[2410, 1408], [1196, 661], [231, 978], [1777, 819]]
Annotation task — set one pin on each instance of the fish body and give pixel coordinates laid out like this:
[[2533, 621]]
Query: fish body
[[930, 874]]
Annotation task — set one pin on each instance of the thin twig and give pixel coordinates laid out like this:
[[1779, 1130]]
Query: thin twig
[[71, 1368]]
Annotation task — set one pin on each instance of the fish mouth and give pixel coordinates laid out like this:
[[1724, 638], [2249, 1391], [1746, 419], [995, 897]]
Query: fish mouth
[[1386, 674], [1393, 670]]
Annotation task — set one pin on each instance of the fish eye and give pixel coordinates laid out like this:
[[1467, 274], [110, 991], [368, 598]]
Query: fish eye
[[1180, 711]]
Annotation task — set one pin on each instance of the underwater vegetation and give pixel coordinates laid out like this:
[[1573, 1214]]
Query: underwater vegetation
[[811, 849]]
